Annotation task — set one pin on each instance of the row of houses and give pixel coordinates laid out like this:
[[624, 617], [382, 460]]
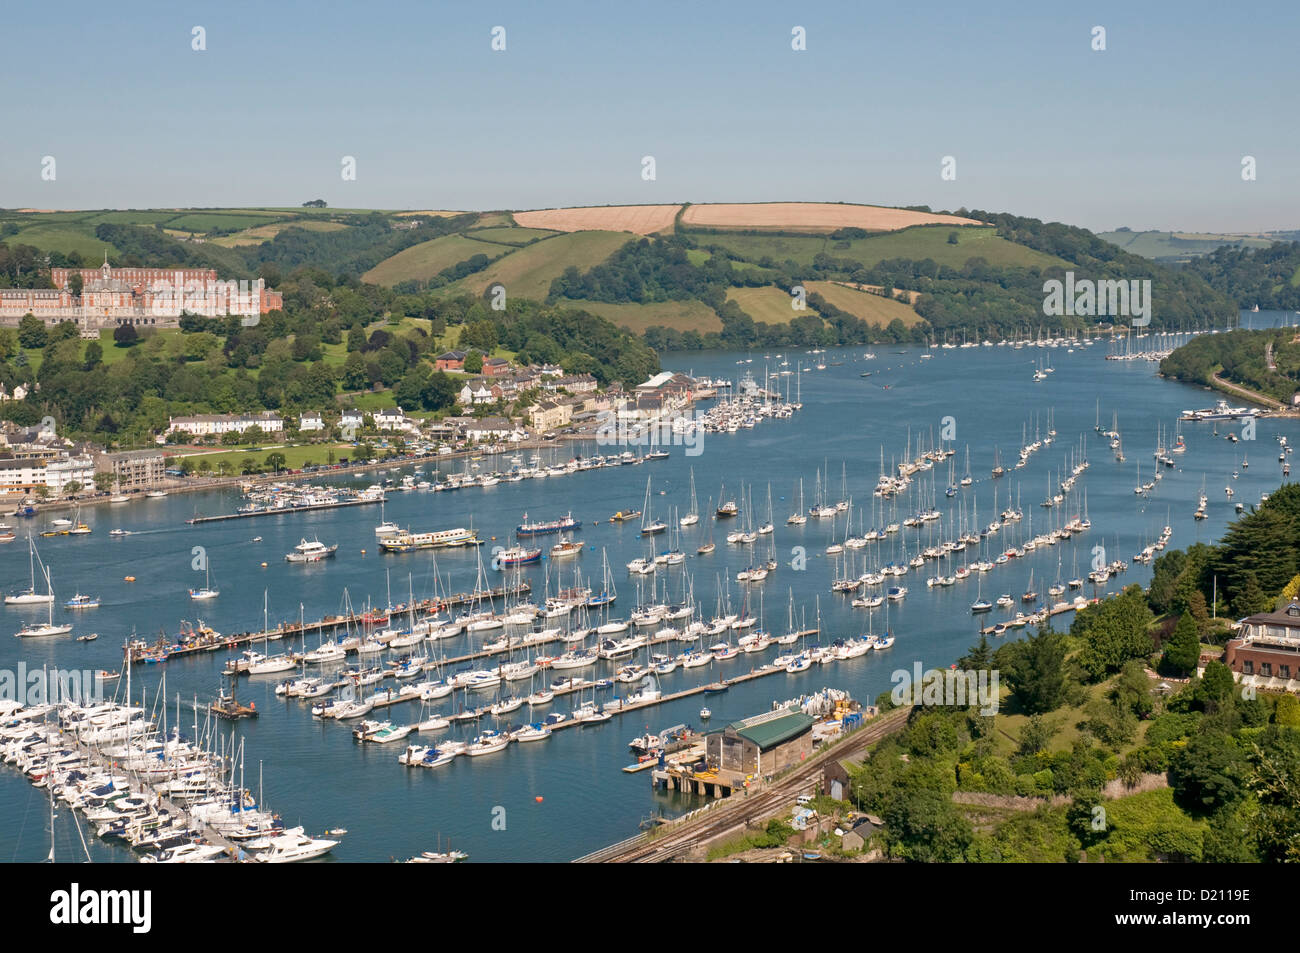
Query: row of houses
[[31, 458]]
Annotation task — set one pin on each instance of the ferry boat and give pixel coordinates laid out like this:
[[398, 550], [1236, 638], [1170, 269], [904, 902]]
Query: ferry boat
[[566, 524], [518, 556], [1220, 411], [438, 539], [310, 552]]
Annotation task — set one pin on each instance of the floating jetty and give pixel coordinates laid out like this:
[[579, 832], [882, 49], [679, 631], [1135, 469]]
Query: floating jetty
[[282, 510], [202, 639]]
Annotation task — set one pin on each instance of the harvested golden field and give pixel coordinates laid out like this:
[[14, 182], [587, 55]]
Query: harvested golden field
[[639, 219], [528, 272], [813, 217], [871, 308], [682, 315]]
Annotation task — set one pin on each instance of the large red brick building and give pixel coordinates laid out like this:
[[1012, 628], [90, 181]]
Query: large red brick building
[[1266, 652], [137, 296]]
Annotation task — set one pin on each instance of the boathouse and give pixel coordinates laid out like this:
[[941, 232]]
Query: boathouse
[[763, 744]]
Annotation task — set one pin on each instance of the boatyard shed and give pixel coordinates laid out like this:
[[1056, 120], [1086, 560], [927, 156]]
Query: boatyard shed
[[762, 744]]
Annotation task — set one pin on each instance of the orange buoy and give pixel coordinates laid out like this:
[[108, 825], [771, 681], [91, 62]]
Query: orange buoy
[[130, 578], [363, 552], [539, 799], [263, 565]]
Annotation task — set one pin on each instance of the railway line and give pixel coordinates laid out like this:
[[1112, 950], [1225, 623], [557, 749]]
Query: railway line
[[736, 813]]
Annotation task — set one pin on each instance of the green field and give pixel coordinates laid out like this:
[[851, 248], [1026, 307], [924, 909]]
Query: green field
[[1179, 245], [65, 238], [926, 241], [262, 233], [871, 308], [682, 315], [421, 262], [512, 235], [768, 305], [529, 271]]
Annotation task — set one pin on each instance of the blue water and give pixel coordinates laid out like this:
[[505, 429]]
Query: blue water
[[315, 774]]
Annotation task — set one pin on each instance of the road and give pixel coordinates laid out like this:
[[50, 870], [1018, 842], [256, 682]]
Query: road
[[739, 812]]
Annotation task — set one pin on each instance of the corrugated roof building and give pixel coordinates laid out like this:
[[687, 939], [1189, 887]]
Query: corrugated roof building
[[763, 744]]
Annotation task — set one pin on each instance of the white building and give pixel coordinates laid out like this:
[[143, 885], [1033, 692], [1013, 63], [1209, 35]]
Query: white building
[[393, 419], [311, 421], [206, 425]]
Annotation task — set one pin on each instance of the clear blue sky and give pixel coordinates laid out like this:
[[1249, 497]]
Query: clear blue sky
[[1149, 133]]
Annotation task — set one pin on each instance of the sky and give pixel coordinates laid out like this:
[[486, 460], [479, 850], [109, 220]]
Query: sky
[[1150, 132]]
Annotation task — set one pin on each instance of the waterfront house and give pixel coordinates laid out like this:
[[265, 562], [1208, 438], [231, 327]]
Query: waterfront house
[[206, 425], [477, 391], [1266, 651], [311, 421], [133, 469], [392, 419]]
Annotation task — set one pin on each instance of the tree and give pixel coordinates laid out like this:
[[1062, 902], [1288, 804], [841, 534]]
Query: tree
[[124, 335], [75, 284], [103, 482], [1035, 668], [31, 332], [275, 460], [254, 435], [42, 492], [1217, 682], [473, 363], [1209, 773], [71, 488], [1251, 597], [248, 465], [1183, 650], [94, 354], [1113, 631]]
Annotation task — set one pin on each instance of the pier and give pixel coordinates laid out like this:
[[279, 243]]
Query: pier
[[163, 649], [282, 510]]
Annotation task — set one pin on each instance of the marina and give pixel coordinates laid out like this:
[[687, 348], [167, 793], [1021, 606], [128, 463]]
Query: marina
[[392, 607]]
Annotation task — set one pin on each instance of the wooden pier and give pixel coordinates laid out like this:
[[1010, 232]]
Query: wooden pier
[[163, 649]]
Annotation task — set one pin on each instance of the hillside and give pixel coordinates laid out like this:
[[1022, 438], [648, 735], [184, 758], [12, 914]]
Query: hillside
[[682, 276], [1181, 246]]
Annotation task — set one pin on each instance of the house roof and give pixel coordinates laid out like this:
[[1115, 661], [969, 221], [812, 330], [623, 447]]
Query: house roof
[[1288, 616], [768, 732]]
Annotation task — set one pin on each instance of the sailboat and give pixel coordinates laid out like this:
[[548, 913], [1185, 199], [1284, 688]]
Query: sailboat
[[29, 596], [207, 592], [650, 527], [386, 527], [797, 518], [707, 547], [692, 517], [30, 630]]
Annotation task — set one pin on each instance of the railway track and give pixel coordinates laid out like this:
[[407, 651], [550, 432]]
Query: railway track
[[735, 814]]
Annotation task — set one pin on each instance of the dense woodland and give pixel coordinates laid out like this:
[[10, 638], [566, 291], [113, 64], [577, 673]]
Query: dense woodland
[[1239, 356], [1268, 277], [1087, 716]]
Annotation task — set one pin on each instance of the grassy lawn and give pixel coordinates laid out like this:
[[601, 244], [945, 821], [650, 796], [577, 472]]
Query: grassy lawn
[[295, 457], [768, 305], [508, 235]]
